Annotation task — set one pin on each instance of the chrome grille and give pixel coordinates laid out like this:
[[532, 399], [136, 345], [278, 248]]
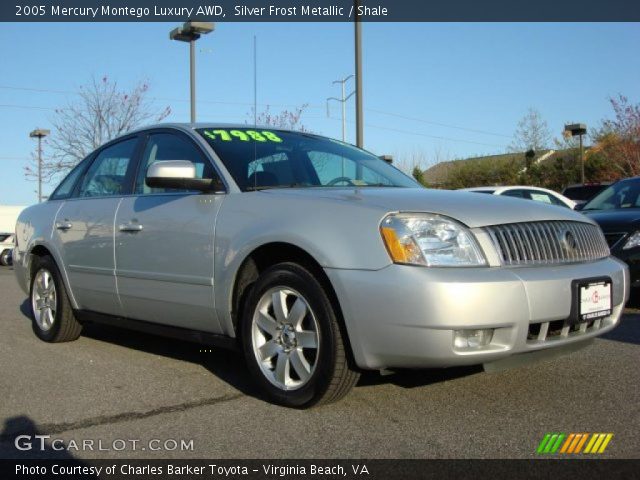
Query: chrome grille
[[550, 242]]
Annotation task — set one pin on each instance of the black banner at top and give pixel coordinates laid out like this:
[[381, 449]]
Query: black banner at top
[[319, 11]]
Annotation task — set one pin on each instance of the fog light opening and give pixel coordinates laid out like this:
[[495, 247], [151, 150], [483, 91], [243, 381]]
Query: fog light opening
[[472, 339]]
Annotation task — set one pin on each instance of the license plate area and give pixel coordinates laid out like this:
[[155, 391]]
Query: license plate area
[[591, 300]]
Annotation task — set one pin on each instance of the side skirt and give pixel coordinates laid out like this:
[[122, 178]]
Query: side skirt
[[195, 336]]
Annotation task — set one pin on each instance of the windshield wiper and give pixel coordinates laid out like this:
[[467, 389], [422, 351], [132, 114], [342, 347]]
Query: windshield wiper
[[253, 188]]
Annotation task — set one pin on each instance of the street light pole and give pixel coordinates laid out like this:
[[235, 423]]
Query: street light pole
[[581, 158], [343, 99], [358, 52], [190, 32], [578, 130], [39, 133], [192, 78]]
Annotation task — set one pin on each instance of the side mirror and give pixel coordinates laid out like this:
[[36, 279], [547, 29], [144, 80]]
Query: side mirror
[[181, 175], [579, 206]]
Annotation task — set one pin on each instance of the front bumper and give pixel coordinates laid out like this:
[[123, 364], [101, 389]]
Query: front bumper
[[405, 317]]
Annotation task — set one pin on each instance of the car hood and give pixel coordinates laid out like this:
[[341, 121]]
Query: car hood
[[620, 220], [472, 209]]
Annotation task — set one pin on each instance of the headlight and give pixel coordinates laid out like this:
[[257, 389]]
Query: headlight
[[430, 240], [633, 241]]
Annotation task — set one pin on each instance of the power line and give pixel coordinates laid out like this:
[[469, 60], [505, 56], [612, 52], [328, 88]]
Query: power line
[[420, 134], [413, 119], [281, 105], [380, 127], [26, 106]]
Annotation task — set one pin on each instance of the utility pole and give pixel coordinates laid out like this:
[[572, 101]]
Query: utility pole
[[358, 51], [343, 99], [39, 133]]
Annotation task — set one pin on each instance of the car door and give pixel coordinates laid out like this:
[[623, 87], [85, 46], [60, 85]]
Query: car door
[[165, 241], [83, 228]]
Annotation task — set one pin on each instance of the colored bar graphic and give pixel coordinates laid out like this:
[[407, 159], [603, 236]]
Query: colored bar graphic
[[606, 442], [572, 443], [567, 443], [582, 442], [543, 443]]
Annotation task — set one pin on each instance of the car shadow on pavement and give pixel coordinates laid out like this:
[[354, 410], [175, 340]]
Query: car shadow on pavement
[[225, 364], [628, 331], [229, 366], [417, 378], [21, 438]]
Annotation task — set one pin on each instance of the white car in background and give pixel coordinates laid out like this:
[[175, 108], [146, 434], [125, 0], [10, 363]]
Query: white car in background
[[537, 194], [6, 248]]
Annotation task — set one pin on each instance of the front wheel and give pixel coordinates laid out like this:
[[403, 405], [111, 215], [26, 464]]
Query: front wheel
[[292, 341], [5, 258]]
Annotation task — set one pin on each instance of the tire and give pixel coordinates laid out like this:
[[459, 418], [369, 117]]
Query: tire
[[54, 321], [297, 353], [5, 258]]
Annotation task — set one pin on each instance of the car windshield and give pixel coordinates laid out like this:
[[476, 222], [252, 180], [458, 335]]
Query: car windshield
[[623, 194], [260, 158]]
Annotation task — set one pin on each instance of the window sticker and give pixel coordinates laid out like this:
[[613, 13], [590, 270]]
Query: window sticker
[[242, 135]]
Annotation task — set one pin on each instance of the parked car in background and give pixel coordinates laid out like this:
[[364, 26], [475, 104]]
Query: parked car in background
[[528, 193], [581, 193], [315, 258], [6, 248], [617, 210]]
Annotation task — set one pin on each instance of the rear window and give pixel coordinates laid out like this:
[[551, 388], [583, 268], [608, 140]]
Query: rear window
[[583, 192]]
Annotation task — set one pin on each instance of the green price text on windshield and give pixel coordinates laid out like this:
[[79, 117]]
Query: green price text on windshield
[[243, 135]]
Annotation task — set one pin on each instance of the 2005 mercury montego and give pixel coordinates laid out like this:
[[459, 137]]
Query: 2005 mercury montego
[[314, 257]]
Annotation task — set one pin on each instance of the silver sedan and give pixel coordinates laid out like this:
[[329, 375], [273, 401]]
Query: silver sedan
[[315, 258]]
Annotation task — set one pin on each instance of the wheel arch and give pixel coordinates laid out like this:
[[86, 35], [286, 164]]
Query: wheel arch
[[41, 250], [267, 255]]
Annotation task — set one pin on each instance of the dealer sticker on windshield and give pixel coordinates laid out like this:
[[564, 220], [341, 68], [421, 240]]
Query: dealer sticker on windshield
[[595, 300], [242, 135]]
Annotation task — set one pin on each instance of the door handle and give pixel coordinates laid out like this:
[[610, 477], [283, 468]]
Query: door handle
[[130, 227], [66, 225]]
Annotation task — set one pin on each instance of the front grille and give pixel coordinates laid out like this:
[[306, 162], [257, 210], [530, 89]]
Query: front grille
[[558, 330], [550, 242]]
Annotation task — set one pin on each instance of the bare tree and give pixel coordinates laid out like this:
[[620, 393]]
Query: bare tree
[[290, 119], [102, 112], [532, 133]]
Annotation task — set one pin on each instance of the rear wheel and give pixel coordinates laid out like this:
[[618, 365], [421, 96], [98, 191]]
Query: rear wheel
[[53, 318], [5, 258], [292, 340]]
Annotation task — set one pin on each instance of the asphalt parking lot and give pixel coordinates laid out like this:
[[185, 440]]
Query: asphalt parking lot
[[116, 385]]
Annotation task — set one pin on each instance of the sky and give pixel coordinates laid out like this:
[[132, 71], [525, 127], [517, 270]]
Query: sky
[[439, 90]]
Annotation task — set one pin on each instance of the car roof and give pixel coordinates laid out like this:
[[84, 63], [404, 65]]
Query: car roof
[[192, 126]]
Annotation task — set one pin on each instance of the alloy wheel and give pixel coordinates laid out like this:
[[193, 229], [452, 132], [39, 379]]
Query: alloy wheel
[[285, 337], [44, 299]]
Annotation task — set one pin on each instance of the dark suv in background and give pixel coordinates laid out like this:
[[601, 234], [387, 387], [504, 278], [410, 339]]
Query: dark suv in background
[[617, 211], [581, 193]]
